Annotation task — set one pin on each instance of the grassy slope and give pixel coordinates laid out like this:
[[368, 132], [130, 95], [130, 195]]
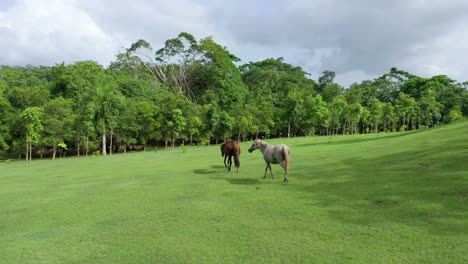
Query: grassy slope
[[385, 198]]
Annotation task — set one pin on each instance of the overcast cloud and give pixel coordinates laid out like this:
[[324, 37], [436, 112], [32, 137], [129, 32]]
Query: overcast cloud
[[358, 40]]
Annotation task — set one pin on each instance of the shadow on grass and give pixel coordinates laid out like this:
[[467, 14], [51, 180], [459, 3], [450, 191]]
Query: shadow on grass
[[217, 166], [238, 181], [204, 171], [424, 187], [242, 181]]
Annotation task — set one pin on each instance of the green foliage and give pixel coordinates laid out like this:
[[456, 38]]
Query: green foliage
[[7, 113], [63, 145], [219, 75], [455, 114], [58, 121], [176, 123], [32, 122], [193, 90]]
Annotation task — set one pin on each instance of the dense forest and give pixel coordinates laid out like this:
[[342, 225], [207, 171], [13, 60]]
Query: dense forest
[[195, 92]]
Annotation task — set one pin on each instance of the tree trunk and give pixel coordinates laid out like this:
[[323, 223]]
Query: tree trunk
[[110, 148], [54, 152], [191, 136], [104, 151], [27, 150], [30, 151], [289, 127], [87, 146]]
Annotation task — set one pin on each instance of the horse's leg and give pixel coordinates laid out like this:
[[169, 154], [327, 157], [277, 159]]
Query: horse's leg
[[230, 162], [266, 168], [283, 165], [271, 172], [225, 157]]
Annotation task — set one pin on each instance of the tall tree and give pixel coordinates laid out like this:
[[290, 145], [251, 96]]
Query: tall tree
[[317, 113], [337, 114], [324, 80], [405, 106], [176, 62], [375, 113], [353, 114], [33, 125], [220, 76], [429, 108], [388, 116], [177, 124], [7, 113], [147, 122], [195, 126], [58, 122], [106, 102]]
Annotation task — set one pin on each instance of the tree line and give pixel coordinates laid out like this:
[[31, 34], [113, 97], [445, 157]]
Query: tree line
[[195, 92]]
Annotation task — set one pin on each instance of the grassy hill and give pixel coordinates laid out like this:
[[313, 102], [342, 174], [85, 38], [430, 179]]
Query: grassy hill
[[378, 198]]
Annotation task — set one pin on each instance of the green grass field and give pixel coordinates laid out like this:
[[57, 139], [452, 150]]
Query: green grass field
[[378, 198]]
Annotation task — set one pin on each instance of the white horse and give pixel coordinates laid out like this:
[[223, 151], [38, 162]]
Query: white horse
[[276, 154]]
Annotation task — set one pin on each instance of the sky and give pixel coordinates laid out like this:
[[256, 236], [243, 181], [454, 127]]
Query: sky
[[358, 40]]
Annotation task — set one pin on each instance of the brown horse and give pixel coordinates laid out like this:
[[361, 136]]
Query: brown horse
[[228, 150]]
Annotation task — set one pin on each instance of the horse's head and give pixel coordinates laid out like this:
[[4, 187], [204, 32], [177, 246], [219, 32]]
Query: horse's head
[[222, 149], [255, 145]]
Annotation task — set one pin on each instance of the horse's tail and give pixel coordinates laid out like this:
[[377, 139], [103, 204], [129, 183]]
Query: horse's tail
[[236, 156], [236, 161], [286, 156]]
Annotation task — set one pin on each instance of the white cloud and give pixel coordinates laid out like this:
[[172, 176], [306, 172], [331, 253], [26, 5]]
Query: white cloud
[[49, 32], [445, 54], [360, 39]]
